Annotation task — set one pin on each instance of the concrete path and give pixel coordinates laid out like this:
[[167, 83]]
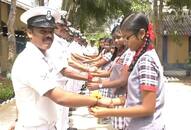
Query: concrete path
[[178, 106], [177, 111], [7, 114]]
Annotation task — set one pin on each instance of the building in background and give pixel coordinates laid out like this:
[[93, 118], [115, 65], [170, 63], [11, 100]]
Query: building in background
[[176, 41], [19, 31]]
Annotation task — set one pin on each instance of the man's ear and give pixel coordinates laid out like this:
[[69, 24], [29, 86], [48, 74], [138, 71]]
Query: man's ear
[[29, 33], [141, 34]]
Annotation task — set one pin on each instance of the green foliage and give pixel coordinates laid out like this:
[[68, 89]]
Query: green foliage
[[189, 60], [85, 13], [96, 36], [141, 6], [179, 3], [6, 90]]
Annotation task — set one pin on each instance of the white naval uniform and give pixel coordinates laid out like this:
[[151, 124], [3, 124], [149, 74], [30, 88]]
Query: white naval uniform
[[75, 85], [57, 53], [32, 77]]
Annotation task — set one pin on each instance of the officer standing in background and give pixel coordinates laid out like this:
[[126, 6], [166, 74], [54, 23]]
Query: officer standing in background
[[36, 91]]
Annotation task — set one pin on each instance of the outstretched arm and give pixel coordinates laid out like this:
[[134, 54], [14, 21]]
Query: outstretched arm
[[146, 108]]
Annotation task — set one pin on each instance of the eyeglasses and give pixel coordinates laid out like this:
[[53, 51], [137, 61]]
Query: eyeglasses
[[116, 37], [128, 37]]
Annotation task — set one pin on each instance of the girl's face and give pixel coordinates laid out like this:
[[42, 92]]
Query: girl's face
[[118, 41], [132, 40], [106, 46]]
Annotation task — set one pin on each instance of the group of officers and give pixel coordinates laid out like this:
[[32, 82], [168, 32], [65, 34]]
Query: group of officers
[[41, 73]]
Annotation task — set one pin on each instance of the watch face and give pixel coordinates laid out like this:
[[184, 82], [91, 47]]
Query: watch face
[[100, 85]]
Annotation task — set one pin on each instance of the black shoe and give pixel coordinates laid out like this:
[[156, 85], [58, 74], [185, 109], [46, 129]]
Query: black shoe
[[70, 114], [72, 109]]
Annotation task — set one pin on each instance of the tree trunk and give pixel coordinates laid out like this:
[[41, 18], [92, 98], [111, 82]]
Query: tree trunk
[[11, 35], [156, 26], [160, 31], [0, 17], [41, 2]]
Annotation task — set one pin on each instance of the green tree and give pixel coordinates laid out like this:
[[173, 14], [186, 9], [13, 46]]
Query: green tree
[[87, 13], [141, 6], [179, 3]]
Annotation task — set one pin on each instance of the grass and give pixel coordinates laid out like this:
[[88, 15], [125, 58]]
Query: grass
[[6, 90]]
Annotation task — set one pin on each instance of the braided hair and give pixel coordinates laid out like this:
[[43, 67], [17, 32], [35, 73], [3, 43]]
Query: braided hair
[[134, 23]]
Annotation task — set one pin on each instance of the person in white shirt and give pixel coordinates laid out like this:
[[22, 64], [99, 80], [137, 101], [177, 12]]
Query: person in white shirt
[[58, 53], [33, 75]]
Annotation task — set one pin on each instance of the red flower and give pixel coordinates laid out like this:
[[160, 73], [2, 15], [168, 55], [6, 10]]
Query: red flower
[[150, 32]]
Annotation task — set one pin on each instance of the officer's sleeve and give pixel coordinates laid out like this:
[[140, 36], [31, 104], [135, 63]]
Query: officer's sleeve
[[41, 82]]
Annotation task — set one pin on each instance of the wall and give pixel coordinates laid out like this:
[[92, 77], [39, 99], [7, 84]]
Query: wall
[[3, 40], [178, 53]]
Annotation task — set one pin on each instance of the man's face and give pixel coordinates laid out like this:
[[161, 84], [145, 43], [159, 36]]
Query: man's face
[[59, 29], [41, 37]]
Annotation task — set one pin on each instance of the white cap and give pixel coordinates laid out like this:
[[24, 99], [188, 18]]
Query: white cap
[[37, 11], [72, 29], [61, 16], [63, 13], [68, 23]]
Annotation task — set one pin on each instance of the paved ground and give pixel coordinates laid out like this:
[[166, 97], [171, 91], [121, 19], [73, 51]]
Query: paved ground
[[177, 111], [7, 115]]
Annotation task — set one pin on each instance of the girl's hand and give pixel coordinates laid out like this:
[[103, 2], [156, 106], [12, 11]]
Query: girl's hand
[[96, 80], [98, 112], [12, 126], [93, 69], [105, 102], [92, 86]]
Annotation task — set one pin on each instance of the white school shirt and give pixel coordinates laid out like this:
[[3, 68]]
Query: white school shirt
[[155, 121], [32, 77], [128, 57]]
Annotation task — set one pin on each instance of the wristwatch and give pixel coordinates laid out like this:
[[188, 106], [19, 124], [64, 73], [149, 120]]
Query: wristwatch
[[100, 85]]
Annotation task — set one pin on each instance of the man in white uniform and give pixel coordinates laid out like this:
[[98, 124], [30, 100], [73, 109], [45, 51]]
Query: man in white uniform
[[35, 89]]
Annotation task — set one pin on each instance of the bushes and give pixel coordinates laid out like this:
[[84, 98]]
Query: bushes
[[6, 90]]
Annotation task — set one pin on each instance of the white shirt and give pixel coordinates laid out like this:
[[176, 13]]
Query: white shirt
[[32, 77], [128, 57], [58, 54], [90, 51]]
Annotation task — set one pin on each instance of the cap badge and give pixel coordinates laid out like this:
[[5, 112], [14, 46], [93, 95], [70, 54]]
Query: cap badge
[[48, 15]]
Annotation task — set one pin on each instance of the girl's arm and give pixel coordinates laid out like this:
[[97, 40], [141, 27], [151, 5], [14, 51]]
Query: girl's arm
[[122, 81], [146, 108]]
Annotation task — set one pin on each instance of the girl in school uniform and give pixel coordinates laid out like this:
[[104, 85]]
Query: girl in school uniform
[[145, 88]]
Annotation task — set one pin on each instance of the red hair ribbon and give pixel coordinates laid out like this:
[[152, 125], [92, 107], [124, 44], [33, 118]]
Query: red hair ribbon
[[150, 32]]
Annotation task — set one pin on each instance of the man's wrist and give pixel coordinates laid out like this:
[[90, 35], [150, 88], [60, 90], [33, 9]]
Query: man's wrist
[[90, 77], [100, 85]]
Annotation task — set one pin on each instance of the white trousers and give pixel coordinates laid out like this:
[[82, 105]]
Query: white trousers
[[62, 118], [42, 127]]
